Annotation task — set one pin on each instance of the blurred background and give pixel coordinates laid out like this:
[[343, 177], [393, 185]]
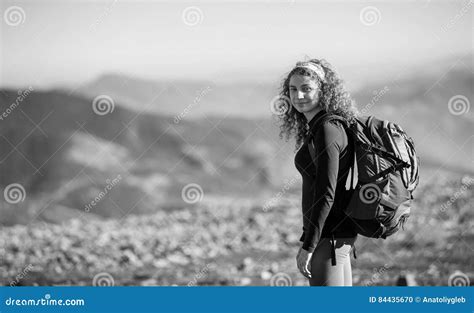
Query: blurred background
[[139, 144]]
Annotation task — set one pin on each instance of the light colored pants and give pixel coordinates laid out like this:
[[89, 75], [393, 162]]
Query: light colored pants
[[323, 273]]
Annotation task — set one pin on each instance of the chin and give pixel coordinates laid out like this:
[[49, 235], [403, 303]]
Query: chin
[[305, 110]]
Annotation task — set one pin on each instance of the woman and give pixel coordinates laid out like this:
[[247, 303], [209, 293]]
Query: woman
[[314, 90]]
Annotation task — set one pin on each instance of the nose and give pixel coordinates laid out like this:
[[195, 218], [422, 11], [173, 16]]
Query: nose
[[300, 95]]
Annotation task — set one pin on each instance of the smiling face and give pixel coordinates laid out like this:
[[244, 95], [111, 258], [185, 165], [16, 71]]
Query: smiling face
[[304, 94]]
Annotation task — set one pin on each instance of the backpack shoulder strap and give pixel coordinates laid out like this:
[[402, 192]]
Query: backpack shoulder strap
[[352, 177], [321, 120], [326, 118]]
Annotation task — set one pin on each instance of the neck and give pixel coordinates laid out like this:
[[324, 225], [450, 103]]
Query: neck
[[311, 114]]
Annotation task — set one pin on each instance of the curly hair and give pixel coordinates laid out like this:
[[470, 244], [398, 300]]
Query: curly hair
[[333, 99]]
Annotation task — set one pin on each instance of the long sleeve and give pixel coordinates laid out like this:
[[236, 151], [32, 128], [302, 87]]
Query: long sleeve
[[307, 199], [327, 141]]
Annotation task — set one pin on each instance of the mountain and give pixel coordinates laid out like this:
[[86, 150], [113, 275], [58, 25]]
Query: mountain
[[190, 98], [417, 98], [67, 153]]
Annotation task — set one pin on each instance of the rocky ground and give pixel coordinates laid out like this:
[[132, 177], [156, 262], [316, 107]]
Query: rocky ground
[[225, 241]]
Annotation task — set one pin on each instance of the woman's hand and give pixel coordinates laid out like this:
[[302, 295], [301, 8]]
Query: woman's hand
[[303, 261]]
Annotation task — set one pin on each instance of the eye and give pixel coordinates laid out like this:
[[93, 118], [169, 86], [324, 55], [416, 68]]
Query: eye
[[306, 89]]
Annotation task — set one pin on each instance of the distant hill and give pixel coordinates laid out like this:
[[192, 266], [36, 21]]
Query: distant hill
[[64, 155], [416, 98], [202, 98]]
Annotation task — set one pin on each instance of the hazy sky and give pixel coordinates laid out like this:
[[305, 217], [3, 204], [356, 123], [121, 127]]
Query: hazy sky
[[71, 42]]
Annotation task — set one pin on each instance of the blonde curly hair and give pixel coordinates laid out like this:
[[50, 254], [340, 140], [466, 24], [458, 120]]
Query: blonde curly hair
[[334, 99]]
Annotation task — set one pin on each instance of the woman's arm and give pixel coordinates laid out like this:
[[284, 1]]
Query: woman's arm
[[328, 141]]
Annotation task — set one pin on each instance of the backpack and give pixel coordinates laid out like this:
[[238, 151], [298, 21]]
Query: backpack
[[383, 175]]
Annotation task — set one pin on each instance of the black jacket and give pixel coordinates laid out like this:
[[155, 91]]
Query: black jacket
[[324, 194]]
